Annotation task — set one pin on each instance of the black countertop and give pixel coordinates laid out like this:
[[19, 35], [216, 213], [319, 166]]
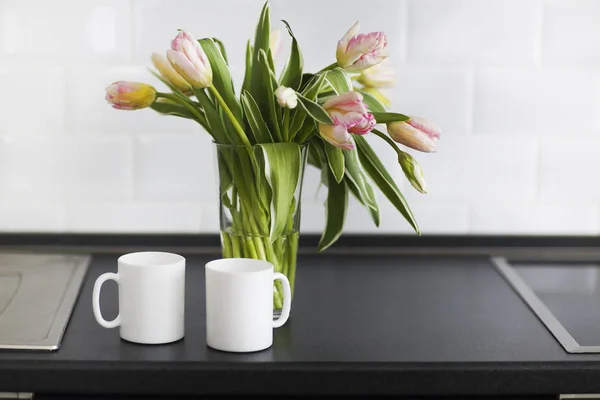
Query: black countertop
[[378, 325]]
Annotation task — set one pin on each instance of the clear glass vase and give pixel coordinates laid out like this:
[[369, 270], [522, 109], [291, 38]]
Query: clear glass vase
[[247, 190]]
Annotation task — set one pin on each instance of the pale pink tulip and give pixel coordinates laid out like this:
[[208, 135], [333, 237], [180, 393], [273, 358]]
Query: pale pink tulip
[[189, 60], [416, 133], [349, 115], [167, 72], [130, 95], [356, 52]]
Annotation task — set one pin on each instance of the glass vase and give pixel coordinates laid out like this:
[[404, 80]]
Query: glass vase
[[246, 193]]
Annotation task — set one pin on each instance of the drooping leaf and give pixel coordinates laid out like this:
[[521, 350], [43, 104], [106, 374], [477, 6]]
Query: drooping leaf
[[313, 109], [313, 87], [372, 103], [215, 122], [282, 171], [335, 210], [222, 77], [379, 175], [335, 159], [385, 117], [338, 80], [291, 76], [255, 120], [356, 178]]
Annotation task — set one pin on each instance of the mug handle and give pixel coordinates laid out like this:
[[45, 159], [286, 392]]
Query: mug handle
[[287, 299], [96, 300]]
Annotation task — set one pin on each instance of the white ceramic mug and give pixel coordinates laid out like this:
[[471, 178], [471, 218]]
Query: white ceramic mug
[[151, 297], [239, 304]]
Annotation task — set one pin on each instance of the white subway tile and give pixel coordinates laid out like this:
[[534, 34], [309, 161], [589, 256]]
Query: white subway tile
[[475, 169], [59, 168], [498, 32], [538, 102], [318, 25], [105, 217], [527, 218], [157, 21], [569, 170], [570, 33], [31, 217], [78, 31], [23, 84], [89, 113], [438, 95], [175, 168]]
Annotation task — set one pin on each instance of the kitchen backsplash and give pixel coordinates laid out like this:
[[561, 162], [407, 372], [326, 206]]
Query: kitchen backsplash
[[514, 84]]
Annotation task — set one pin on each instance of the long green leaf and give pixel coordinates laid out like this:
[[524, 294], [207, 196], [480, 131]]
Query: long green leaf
[[336, 207], [222, 49], [255, 120], [272, 110], [282, 171], [338, 80], [374, 212], [356, 179], [173, 109], [385, 117], [222, 77], [372, 103], [313, 87], [248, 72], [335, 159], [315, 111], [215, 122], [261, 42], [291, 76], [377, 172]]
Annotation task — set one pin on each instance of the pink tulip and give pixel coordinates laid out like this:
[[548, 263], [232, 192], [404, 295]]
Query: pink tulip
[[349, 115], [189, 60], [416, 133], [356, 52], [130, 95]]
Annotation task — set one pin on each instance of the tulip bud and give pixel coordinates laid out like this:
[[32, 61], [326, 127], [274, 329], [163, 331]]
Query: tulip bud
[[275, 42], [416, 133], [413, 172], [378, 76], [167, 72], [356, 52], [130, 95], [286, 97], [189, 60]]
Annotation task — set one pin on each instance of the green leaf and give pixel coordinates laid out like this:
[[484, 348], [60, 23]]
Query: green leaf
[[385, 117], [338, 80], [221, 48], [313, 87], [222, 77], [248, 72], [172, 109], [335, 210], [255, 120], [282, 171], [272, 110], [308, 129], [335, 159], [215, 122], [377, 172], [355, 173], [315, 111], [291, 76], [372, 103], [374, 212], [261, 42]]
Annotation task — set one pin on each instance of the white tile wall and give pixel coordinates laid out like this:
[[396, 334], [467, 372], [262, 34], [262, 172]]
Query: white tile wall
[[515, 85]]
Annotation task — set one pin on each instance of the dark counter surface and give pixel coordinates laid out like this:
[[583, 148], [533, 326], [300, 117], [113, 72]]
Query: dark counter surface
[[376, 325]]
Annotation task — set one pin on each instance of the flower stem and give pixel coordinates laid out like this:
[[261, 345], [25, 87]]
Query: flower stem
[[234, 121], [387, 139]]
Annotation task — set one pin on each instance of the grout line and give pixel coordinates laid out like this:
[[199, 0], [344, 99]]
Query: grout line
[[538, 26]]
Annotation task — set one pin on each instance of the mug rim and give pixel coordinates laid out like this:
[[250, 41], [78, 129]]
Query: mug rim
[[174, 259], [218, 267]]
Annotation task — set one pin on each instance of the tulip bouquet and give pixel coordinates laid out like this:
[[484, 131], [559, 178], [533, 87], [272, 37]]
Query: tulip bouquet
[[265, 136]]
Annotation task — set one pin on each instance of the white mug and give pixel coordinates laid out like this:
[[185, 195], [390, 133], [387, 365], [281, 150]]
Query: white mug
[[239, 304], [151, 297]]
